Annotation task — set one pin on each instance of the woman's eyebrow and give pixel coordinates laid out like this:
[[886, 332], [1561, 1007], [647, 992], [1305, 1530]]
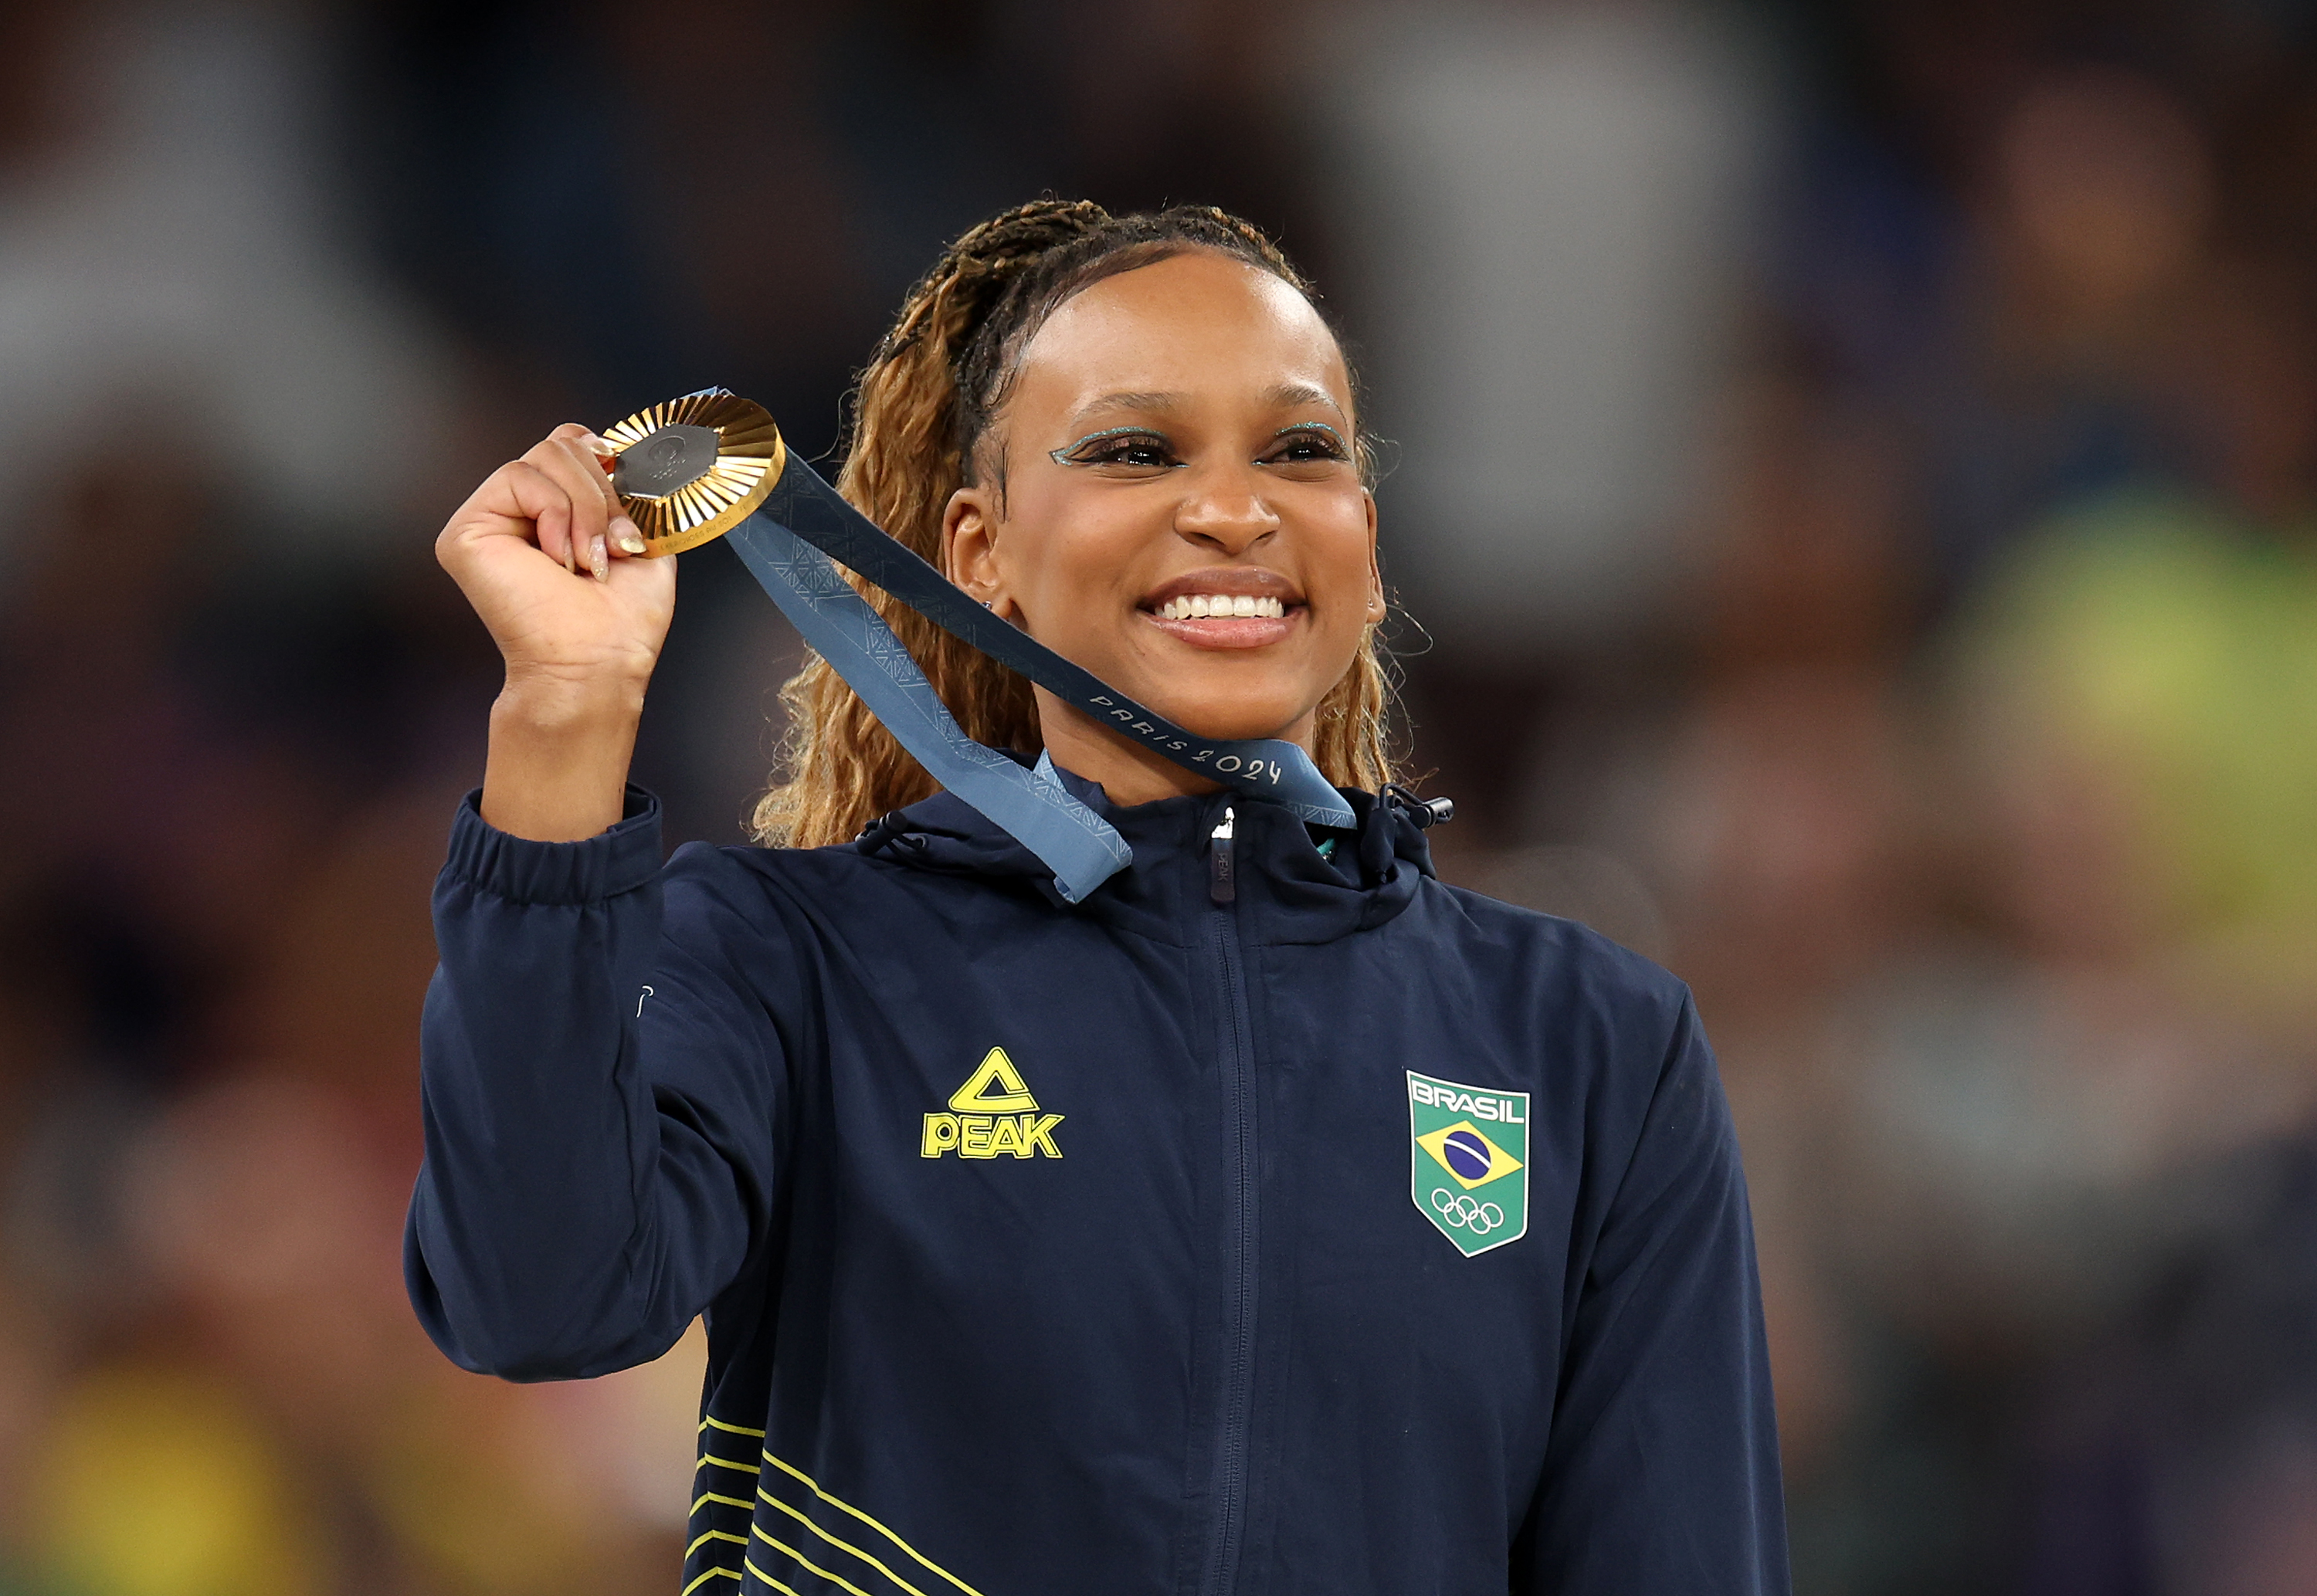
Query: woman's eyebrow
[[1284, 395], [1301, 393], [1159, 402]]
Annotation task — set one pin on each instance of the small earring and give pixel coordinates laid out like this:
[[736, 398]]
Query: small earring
[[988, 605]]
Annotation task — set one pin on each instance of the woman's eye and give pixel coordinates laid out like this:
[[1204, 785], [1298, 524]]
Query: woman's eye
[[1307, 445], [1139, 450]]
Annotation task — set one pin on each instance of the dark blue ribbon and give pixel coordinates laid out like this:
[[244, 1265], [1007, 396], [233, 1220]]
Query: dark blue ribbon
[[788, 546]]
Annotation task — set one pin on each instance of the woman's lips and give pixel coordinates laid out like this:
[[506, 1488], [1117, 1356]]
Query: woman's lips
[[1229, 631]]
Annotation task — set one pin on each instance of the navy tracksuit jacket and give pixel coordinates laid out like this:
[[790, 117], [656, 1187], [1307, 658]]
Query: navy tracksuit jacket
[[1084, 1249]]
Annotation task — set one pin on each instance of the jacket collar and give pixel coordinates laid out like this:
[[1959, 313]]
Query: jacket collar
[[1286, 892]]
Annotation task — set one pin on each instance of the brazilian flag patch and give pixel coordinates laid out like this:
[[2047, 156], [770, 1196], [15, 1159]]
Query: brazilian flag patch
[[1468, 1154]]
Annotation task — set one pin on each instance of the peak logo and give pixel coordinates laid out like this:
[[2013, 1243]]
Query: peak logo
[[1468, 1160], [992, 1113]]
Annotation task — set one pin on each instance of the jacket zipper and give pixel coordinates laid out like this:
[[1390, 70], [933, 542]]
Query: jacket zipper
[[1229, 1495]]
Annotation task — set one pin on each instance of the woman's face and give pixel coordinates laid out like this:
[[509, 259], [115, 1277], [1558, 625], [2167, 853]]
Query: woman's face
[[1178, 451]]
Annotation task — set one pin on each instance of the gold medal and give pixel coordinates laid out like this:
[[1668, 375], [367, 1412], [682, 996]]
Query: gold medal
[[690, 470]]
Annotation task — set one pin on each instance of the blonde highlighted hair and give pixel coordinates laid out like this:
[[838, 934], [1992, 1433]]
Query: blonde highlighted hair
[[923, 407]]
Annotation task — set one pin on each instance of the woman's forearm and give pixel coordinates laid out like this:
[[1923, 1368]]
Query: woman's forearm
[[558, 766]]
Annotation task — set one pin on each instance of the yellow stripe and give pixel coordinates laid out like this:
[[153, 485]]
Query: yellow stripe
[[835, 1579], [712, 1573], [768, 1578], [708, 1457], [737, 1540], [730, 1429], [842, 1545], [727, 1500], [923, 1561]]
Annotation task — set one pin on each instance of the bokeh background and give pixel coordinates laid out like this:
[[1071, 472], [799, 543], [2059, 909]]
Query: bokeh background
[[1851, 509]]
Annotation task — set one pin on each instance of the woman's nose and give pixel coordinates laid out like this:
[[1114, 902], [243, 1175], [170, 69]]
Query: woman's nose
[[1230, 520]]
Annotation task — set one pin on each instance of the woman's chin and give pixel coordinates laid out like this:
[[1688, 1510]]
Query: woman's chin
[[1227, 695]]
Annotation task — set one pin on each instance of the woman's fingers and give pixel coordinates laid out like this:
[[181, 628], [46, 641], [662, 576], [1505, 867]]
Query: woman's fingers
[[594, 458], [558, 495], [491, 537], [521, 492], [565, 458], [554, 507], [626, 539]]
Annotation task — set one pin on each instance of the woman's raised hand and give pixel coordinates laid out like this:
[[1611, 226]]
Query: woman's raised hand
[[544, 554], [542, 551]]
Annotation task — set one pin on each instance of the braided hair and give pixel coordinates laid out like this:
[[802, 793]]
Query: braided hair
[[922, 419]]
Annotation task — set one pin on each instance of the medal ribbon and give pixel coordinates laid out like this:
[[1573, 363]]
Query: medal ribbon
[[788, 546]]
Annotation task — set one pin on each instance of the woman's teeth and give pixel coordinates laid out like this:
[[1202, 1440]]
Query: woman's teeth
[[1204, 606]]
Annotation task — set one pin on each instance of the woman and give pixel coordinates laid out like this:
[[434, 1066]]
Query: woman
[[1277, 1218]]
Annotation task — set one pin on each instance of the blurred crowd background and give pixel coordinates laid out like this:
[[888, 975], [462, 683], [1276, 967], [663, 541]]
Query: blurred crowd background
[[1851, 511]]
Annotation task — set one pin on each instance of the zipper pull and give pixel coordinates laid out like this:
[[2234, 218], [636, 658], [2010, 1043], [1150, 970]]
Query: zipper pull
[[1222, 885]]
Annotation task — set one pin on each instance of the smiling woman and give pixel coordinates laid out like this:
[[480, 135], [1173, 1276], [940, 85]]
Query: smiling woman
[[1269, 1217], [1083, 418]]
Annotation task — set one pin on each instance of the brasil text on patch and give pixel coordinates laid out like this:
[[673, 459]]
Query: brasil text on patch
[[1468, 1160]]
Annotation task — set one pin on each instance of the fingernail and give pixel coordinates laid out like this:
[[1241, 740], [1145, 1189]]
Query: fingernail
[[624, 534], [598, 562], [597, 444]]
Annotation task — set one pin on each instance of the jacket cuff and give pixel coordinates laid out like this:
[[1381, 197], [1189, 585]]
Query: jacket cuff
[[619, 860]]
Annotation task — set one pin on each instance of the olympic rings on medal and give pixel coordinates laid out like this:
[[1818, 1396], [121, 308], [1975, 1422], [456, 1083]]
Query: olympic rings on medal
[[1459, 1211]]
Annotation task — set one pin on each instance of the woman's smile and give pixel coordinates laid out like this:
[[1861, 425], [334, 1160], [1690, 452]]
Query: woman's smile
[[1227, 607]]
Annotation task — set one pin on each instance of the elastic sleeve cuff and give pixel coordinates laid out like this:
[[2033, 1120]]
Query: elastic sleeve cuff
[[619, 860]]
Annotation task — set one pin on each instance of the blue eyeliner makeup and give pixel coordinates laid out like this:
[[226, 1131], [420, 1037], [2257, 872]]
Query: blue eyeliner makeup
[[1311, 426]]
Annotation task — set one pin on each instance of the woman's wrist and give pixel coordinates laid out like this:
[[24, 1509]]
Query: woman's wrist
[[558, 766], [557, 698]]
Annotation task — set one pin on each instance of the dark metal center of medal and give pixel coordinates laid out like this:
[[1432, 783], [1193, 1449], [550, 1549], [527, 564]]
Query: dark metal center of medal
[[654, 465]]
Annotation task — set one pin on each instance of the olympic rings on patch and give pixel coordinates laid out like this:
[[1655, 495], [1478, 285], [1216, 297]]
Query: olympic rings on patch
[[1459, 1211]]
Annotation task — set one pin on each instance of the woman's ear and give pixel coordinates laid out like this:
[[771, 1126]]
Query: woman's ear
[[1376, 603], [970, 545]]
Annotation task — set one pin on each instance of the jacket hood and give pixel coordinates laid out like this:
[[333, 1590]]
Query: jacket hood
[[1374, 873]]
